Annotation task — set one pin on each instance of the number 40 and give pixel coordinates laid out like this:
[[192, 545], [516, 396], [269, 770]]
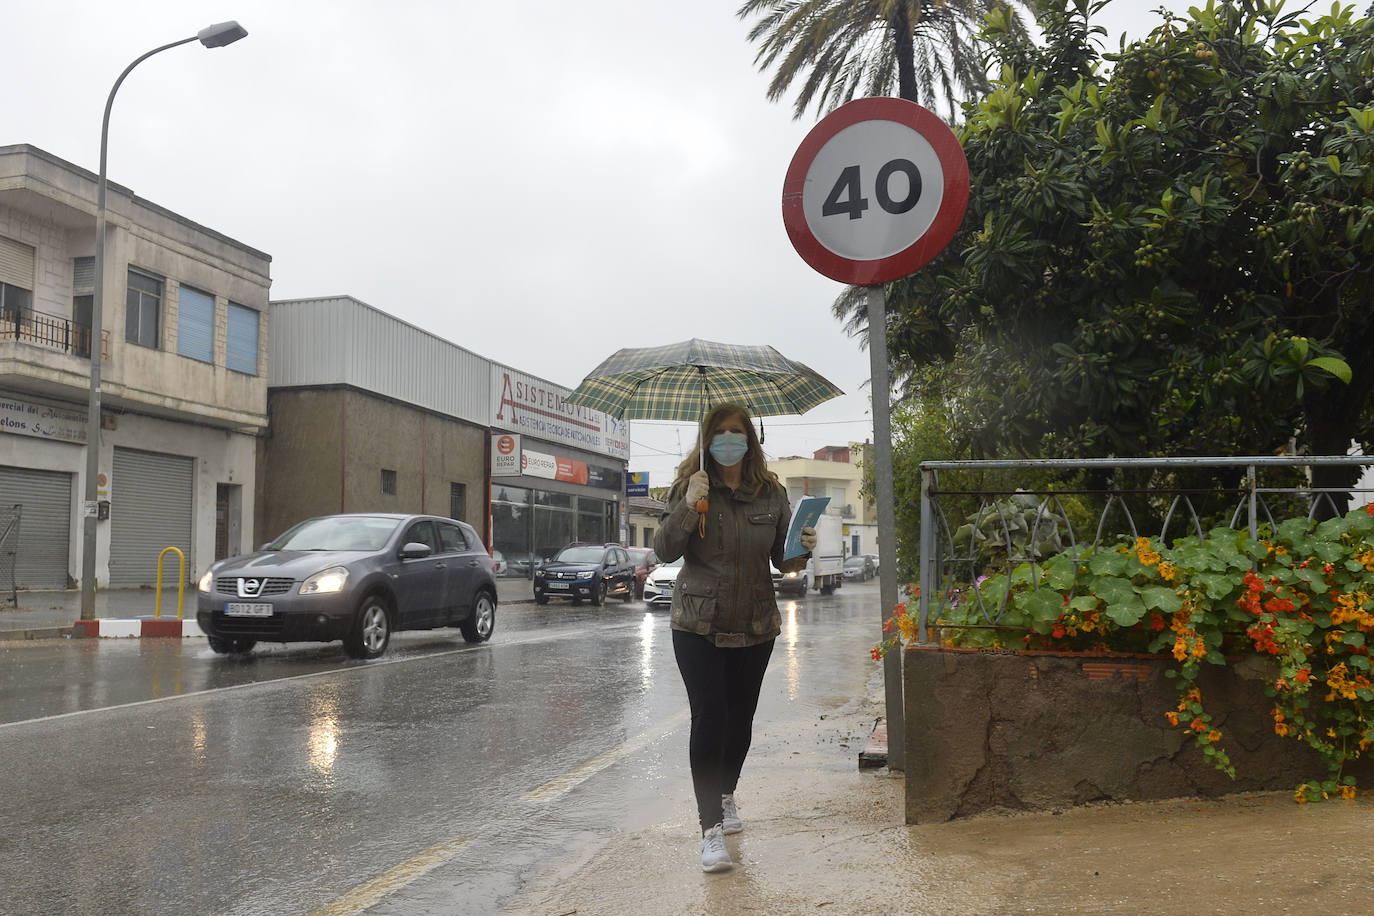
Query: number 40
[[847, 197]]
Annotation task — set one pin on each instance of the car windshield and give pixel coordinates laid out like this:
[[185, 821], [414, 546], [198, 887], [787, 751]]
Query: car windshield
[[674, 564], [580, 555], [855, 561], [338, 533]]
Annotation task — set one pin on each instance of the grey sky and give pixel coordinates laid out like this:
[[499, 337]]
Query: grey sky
[[541, 182]]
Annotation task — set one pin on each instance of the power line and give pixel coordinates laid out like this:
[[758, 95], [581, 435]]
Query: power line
[[767, 423]]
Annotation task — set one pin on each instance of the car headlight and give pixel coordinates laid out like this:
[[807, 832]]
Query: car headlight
[[205, 581], [792, 574], [585, 575], [326, 581]]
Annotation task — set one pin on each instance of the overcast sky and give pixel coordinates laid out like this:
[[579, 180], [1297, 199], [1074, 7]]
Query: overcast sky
[[541, 182]]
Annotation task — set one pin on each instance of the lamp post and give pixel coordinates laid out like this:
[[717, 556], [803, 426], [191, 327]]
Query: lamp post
[[214, 36]]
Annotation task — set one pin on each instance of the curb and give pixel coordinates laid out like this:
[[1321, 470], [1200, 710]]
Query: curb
[[113, 628], [26, 633], [875, 754]]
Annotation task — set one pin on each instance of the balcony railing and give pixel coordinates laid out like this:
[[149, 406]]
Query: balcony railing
[[53, 332]]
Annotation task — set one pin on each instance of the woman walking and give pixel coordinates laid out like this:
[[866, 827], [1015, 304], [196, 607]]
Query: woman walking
[[728, 521]]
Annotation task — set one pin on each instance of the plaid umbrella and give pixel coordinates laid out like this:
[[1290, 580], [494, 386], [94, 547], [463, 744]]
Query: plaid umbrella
[[676, 381]]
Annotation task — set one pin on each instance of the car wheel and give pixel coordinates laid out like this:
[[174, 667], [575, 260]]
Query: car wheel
[[541, 599], [599, 593], [226, 645], [478, 627], [371, 630]]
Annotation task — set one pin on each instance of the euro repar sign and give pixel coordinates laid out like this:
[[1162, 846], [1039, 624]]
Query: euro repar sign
[[875, 191]]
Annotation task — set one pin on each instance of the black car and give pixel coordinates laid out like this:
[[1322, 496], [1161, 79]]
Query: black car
[[357, 578], [590, 571]]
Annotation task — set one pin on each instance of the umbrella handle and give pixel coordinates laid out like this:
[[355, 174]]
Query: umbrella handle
[[703, 506]]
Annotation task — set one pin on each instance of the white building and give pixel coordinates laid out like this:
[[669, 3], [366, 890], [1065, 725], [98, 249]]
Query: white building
[[183, 380], [836, 471]]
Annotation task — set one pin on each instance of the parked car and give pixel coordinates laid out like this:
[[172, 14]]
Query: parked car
[[658, 588], [357, 578], [793, 583], [499, 562], [591, 571], [873, 557], [645, 560], [858, 568]]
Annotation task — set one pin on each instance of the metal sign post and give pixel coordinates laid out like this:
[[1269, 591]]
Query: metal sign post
[[877, 189]]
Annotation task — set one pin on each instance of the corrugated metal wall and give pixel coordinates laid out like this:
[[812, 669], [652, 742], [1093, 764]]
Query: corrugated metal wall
[[341, 341]]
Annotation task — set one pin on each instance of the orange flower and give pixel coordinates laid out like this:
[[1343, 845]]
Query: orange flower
[[1199, 726], [1347, 791], [1172, 717], [1214, 736], [1280, 729]]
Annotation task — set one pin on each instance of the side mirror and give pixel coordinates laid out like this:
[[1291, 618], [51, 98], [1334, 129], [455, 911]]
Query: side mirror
[[415, 551]]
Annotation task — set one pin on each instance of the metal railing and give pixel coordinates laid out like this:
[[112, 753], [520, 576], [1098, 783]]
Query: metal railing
[[53, 332], [947, 569]]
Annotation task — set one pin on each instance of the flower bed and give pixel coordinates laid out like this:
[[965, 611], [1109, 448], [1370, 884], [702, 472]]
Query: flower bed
[[1274, 627]]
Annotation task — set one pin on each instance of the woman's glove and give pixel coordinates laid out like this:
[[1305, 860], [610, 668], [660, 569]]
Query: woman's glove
[[808, 538], [698, 485]]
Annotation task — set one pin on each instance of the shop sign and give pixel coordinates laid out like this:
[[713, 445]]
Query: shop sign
[[524, 404], [505, 455], [41, 421], [605, 478], [553, 467], [638, 484]]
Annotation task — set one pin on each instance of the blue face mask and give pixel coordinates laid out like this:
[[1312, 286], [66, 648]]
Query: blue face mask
[[729, 448]]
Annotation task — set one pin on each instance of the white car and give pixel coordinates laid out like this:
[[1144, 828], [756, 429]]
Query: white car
[[658, 587], [794, 583]]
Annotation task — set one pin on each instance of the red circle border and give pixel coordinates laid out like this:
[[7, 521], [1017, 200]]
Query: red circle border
[[919, 252]]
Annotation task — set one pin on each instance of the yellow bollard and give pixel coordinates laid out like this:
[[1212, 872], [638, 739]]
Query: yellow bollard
[[181, 582]]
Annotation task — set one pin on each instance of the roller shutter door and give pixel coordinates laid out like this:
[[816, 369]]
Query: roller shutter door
[[43, 536], [151, 496]]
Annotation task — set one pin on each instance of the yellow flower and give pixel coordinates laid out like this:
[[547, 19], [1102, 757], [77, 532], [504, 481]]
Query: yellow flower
[[1347, 791], [1300, 796], [1280, 729], [1167, 571]]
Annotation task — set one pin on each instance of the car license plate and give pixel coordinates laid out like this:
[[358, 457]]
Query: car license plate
[[558, 585], [238, 609]]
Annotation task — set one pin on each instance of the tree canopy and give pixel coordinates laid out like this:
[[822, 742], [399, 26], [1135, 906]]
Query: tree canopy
[[919, 50], [1168, 249]]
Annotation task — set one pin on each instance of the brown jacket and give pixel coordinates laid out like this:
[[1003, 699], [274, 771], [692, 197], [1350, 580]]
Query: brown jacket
[[725, 589]]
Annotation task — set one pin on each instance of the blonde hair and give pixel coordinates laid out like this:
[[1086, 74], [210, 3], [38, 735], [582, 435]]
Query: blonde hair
[[755, 471]]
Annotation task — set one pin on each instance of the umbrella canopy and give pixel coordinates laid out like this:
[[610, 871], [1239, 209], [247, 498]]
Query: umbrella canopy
[[676, 381]]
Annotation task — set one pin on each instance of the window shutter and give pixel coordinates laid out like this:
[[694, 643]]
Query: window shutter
[[241, 349], [195, 325], [83, 276], [16, 264]]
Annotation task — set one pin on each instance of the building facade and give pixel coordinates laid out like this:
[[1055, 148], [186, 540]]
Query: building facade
[[835, 471], [370, 413], [183, 380]]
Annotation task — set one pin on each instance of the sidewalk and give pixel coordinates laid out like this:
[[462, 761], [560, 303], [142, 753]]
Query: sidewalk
[[53, 614]]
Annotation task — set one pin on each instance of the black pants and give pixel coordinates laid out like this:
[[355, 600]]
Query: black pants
[[723, 688]]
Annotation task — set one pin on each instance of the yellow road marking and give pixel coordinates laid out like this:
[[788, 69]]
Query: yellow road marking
[[579, 774], [393, 879]]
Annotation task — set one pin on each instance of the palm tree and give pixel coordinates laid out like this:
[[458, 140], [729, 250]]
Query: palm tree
[[843, 48]]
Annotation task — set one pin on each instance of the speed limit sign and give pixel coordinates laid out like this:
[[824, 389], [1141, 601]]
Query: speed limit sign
[[875, 191]]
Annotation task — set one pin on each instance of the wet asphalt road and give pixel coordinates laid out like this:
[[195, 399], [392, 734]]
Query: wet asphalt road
[[155, 777]]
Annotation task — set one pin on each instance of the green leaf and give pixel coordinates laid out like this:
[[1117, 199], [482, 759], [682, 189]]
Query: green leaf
[[1337, 367], [1334, 163], [1159, 598], [1108, 563], [1043, 605], [1126, 613]]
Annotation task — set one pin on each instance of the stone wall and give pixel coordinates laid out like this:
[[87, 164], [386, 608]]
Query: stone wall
[[1036, 731]]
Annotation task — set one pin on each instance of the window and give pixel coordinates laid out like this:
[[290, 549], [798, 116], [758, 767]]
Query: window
[[421, 533], [457, 501], [196, 324], [83, 295], [388, 481], [142, 309], [241, 346], [452, 538], [16, 279]]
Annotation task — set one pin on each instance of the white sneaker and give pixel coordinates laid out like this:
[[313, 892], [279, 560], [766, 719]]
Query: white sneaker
[[714, 855], [730, 821]]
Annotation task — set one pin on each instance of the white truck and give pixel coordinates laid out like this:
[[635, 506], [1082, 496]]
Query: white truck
[[825, 571]]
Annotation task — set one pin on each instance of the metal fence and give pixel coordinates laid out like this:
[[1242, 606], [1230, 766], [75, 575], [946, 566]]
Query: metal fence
[[1014, 526]]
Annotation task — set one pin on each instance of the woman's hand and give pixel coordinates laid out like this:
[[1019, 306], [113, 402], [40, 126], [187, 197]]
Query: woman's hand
[[698, 485], [808, 538]]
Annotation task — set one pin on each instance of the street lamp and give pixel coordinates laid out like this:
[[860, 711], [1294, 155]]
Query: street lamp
[[214, 36]]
